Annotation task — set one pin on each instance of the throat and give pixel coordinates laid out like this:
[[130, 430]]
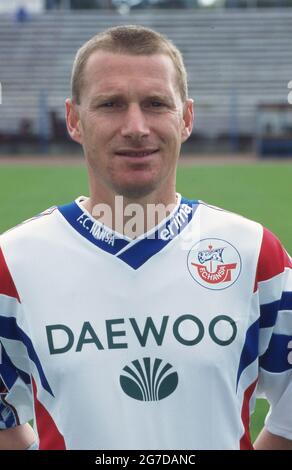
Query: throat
[[129, 219]]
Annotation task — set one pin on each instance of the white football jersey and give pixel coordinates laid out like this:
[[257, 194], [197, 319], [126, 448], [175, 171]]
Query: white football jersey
[[162, 342]]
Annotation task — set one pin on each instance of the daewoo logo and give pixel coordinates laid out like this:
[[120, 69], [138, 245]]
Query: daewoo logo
[[146, 381], [188, 330]]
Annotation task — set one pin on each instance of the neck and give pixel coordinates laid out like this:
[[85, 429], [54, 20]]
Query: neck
[[131, 217]]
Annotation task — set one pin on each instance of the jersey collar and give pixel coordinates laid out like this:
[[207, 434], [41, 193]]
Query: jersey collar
[[133, 252]]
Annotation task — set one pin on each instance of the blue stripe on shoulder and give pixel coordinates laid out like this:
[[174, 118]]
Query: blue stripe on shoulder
[[10, 330], [270, 311], [8, 416], [286, 301], [8, 376], [275, 359], [8, 372], [250, 349], [269, 314]]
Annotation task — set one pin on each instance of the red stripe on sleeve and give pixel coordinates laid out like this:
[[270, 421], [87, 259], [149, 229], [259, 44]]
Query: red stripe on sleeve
[[273, 258], [7, 286], [245, 441]]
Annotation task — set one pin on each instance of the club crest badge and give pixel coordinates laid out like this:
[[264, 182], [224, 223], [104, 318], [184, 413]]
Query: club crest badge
[[214, 263]]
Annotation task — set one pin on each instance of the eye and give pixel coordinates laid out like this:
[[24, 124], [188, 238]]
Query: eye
[[112, 105], [157, 104], [107, 104]]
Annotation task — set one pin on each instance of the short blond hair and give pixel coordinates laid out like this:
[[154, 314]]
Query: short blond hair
[[133, 40]]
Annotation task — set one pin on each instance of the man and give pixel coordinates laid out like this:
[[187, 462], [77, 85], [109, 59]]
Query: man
[[152, 334]]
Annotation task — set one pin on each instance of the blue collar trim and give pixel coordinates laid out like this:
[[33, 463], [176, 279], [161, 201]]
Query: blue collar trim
[[94, 231], [133, 252]]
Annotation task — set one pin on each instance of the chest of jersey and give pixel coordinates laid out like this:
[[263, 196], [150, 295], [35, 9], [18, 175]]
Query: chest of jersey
[[161, 342]]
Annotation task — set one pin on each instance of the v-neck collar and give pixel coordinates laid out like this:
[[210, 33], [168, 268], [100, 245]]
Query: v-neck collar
[[133, 252]]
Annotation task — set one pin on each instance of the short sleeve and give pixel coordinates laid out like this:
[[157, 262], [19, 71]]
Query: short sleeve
[[15, 394], [16, 402], [274, 279]]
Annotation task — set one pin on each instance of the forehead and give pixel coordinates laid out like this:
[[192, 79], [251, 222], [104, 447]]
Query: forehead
[[109, 72]]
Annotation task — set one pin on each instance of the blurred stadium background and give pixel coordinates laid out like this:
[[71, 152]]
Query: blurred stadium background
[[238, 56]]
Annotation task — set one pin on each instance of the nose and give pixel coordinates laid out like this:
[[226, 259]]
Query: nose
[[135, 125]]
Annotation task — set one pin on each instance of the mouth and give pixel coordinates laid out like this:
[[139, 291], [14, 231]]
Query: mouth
[[136, 153]]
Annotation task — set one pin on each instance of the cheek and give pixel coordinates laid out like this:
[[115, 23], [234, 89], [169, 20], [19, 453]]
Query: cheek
[[101, 132], [170, 129], [174, 135], [93, 134], [175, 126]]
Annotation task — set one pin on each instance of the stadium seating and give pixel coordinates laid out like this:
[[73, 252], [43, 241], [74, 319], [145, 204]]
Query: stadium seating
[[235, 59]]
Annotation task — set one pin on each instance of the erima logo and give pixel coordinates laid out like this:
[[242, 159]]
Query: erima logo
[[176, 223], [187, 330], [149, 382]]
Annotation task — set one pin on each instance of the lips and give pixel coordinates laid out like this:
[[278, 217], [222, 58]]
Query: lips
[[136, 152]]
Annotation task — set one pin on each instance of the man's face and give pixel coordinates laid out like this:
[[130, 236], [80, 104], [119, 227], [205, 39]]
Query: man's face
[[131, 122]]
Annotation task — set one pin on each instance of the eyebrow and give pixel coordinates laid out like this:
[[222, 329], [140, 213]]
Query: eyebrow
[[118, 96], [104, 97], [160, 96]]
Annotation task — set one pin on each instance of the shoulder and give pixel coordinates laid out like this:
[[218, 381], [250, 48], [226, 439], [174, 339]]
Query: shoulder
[[273, 258], [231, 224], [19, 242], [30, 227], [7, 286], [221, 214]]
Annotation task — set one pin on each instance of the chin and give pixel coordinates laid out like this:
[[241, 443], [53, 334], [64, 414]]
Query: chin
[[136, 191]]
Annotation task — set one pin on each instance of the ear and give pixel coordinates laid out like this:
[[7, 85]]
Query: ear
[[188, 120], [73, 121]]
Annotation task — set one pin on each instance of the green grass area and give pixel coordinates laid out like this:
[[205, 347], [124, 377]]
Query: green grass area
[[257, 419], [26, 191], [262, 192]]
